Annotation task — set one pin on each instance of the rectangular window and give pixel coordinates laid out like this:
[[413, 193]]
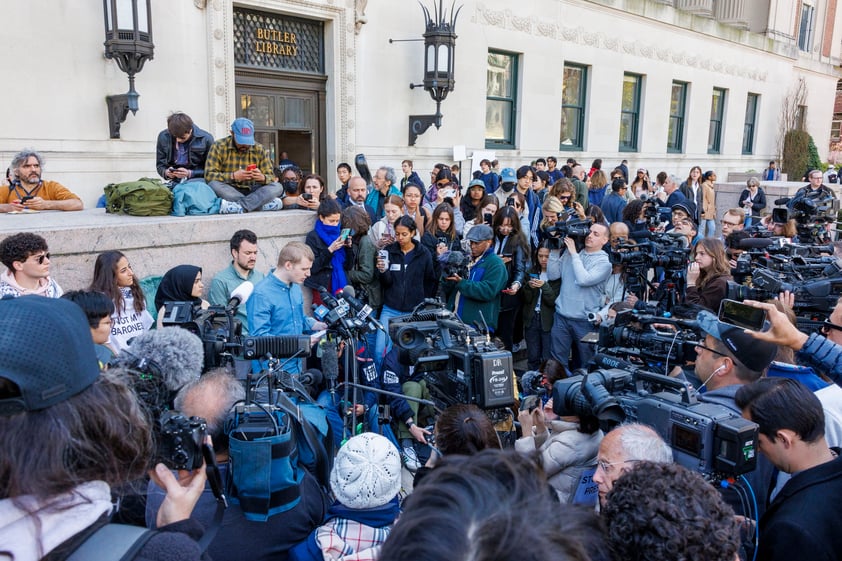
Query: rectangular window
[[573, 96], [630, 112], [748, 127], [678, 102], [836, 127], [717, 112], [501, 100], [806, 28]]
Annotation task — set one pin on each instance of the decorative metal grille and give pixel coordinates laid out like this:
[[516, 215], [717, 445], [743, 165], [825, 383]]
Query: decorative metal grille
[[278, 42]]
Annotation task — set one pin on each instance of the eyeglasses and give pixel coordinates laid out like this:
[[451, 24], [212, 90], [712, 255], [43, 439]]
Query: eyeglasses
[[606, 466], [40, 258], [827, 326], [714, 351]]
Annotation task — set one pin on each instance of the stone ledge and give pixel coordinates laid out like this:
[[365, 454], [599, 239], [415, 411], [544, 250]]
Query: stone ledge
[[156, 243]]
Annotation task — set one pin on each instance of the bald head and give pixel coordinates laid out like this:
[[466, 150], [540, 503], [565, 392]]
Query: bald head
[[622, 448], [357, 189]]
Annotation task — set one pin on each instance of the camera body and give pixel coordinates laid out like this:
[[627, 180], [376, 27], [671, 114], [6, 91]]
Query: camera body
[[180, 440], [705, 437]]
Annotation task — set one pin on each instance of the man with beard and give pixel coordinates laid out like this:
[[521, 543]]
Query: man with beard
[[244, 257], [28, 191]]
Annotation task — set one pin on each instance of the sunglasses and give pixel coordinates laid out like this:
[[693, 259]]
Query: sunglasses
[[40, 258], [827, 326]]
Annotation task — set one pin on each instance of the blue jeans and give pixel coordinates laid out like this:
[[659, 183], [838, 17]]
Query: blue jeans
[[707, 228], [537, 343], [382, 343], [565, 332], [259, 195]]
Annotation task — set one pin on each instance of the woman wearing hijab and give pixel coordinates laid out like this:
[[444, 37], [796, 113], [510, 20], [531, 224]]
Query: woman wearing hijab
[[182, 283]]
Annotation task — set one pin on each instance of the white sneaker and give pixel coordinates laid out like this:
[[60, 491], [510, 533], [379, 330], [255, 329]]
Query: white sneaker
[[274, 204], [410, 458], [230, 207]]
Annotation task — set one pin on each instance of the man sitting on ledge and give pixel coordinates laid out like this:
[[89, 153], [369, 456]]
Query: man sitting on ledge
[[28, 191], [240, 172]]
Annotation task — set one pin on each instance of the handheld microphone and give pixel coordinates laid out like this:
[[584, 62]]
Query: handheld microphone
[[364, 311], [239, 295]]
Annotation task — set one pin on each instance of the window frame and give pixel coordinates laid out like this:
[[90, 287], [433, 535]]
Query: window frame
[[806, 27], [750, 123], [505, 143], [580, 109], [634, 146], [677, 118], [717, 118]]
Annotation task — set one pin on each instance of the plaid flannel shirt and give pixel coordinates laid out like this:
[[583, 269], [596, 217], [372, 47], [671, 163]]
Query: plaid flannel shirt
[[224, 159]]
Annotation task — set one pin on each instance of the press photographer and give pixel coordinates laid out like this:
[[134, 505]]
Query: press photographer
[[583, 277]]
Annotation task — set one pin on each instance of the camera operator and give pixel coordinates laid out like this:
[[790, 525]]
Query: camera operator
[[815, 188], [583, 279], [69, 435], [477, 298], [211, 397]]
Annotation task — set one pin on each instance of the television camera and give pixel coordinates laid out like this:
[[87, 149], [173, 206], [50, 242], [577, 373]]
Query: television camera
[[642, 338], [705, 437], [458, 362]]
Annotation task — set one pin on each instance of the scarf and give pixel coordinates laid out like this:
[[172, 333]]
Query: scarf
[[328, 235]]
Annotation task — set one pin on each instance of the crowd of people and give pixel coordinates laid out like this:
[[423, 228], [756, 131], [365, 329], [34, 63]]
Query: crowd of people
[[536, 276]]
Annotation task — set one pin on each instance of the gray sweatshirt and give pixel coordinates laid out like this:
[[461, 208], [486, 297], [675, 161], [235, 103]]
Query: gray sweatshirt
[[583, 277]]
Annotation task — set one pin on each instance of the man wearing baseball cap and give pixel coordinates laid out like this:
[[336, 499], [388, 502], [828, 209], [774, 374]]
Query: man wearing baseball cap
[[240, 172], [477, 298]]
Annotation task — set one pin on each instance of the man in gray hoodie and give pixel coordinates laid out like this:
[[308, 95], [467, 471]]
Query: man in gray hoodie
[[582, 278]]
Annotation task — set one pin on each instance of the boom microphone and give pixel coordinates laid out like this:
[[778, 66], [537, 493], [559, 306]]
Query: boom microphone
[[782, 201], [330, 362], [239, 295], [755, 243], [285, 346], [177, 353]]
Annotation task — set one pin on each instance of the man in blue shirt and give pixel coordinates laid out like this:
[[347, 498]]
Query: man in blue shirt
[[276, 306]]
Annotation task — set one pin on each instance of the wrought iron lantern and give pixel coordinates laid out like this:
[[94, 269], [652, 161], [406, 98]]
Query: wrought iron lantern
[[439, 57], [128, 41]]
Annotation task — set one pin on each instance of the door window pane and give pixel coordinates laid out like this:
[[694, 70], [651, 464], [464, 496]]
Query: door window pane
[[259, 108]]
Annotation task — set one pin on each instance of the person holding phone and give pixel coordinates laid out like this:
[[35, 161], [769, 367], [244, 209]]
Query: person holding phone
[[328, 245], [227, 173], [382, 232], [312, 189], [539, 296], [708, 274], [511, 245]]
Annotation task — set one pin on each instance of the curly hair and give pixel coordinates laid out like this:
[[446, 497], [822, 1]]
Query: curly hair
[[665, 511], [19, 247], [632, 210]]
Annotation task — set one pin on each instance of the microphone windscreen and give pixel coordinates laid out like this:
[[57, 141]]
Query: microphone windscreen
[[243, 291], [753, 243], [177, 352], [330, 360], [349, 291]]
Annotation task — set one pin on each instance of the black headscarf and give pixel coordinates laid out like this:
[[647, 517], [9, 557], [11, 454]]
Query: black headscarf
[[177, 286]]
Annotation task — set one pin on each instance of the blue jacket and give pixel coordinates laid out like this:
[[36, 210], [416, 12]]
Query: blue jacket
[[824, 355], [193, 198], [612, 207], [491, 180]]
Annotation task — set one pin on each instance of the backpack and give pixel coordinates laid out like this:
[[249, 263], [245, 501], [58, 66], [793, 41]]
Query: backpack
[[144, 197]]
